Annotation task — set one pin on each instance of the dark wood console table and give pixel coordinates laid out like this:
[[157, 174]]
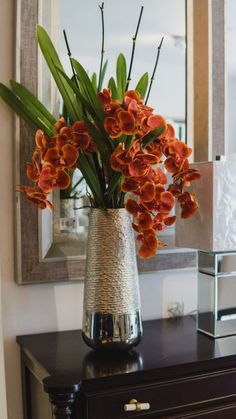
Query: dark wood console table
[[176, 370]]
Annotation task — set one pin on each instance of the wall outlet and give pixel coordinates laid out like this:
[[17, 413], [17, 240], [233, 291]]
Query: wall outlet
[[175, 309]]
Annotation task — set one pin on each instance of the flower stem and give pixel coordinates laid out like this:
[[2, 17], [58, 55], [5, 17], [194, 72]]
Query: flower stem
[[154, 70], [102, 50], [133, 49], [76, 184], [69, 55]]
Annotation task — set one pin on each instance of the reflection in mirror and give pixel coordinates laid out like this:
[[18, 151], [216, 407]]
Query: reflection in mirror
[[100, 364], [82, 24]]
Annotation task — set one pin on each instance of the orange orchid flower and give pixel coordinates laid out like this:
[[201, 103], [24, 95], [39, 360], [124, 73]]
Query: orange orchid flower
[[188, 204], [155, 148], [36, 196], [126, 122], [150, 244], [64, 157], [52, 178], [105, 98], [61, 122], [145, 252], [141, 163], [156, 121], [138, 167], [33, 169], [161, 220], [187, 176], [42, 141], [109, 105], [121, 157], [122, 122], [169, 133], [131, 95], [175, 189], [177, 154], [132, 207], [147, 192], [111, 125], [145, 221], [160, 176], [129, 185], [166, 201], [134, 104]]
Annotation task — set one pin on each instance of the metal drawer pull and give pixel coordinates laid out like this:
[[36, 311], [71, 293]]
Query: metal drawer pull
[[134, 405]]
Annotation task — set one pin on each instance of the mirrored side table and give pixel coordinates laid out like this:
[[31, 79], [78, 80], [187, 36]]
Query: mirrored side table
[[217, 293]]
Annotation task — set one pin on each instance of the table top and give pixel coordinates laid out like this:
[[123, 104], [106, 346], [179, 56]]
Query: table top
[[168, 346]]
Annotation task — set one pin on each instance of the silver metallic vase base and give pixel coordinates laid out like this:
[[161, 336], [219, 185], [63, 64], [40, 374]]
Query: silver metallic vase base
[[112, 332]]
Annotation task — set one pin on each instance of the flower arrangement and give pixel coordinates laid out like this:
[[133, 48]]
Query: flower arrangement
[[115, 139]]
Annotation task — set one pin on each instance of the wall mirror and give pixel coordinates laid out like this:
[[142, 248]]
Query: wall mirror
[[51, 246]]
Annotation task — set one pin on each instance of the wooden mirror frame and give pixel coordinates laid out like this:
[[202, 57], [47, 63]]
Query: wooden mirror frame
[[201, 114]]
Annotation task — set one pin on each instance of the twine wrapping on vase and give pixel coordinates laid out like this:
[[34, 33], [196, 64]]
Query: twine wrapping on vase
[[111, 294]]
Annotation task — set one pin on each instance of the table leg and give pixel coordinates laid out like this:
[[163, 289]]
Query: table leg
[[62, 395]]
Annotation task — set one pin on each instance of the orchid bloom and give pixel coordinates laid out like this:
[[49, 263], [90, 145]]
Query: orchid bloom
[[144, 178], [52, 178], [36, 196]]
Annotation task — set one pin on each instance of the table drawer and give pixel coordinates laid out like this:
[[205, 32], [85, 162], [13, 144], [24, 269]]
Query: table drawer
[[165, 398]]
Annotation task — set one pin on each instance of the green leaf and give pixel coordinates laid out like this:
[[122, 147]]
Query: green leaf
[[113, 182], [80, 105], [84, 103], [23, 111], [65, 112], [95, 164], [94, 81], [112, 86], [91, 111], [142, 85], [121, 76], [104, 69], [128, 140], [87, 89], [33, 103], [91, 179], [54, 62], [151, 136], [101, 144], [15, 104], [77, 92]]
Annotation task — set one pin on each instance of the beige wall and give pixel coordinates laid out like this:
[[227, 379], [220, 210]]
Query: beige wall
[[5, 176], [28, 309], [3, 402], [38, 308]]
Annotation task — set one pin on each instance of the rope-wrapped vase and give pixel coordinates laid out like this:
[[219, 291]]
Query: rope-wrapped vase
[[112, 318]]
